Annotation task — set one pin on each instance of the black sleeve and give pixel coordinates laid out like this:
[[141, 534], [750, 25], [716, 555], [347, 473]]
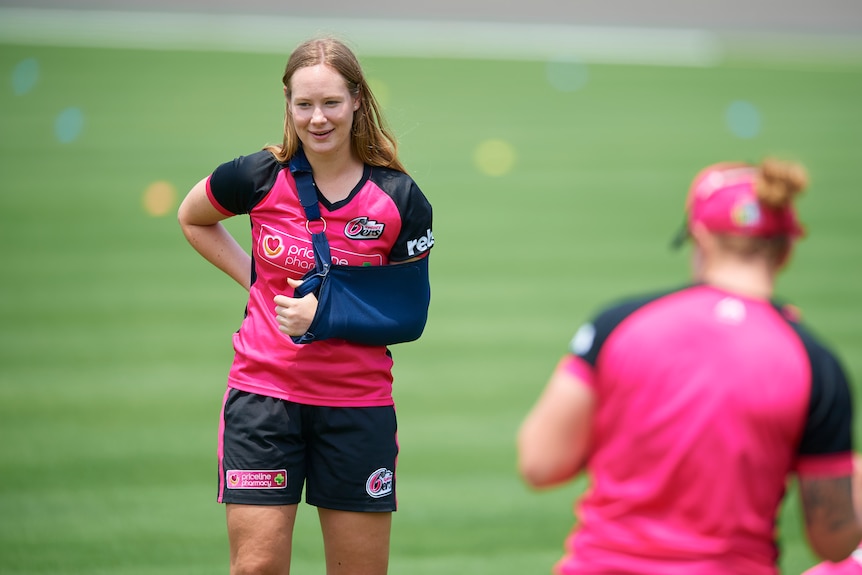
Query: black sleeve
[[240, 184], [415, 237], [828, 428]]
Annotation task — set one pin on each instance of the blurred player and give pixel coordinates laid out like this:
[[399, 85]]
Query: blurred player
[[690, 408]]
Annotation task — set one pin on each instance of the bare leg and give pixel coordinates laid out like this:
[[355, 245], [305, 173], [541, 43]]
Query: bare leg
[[260, 538], [355, 543]]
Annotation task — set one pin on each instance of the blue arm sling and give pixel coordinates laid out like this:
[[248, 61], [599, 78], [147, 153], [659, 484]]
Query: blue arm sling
[[371, 305]]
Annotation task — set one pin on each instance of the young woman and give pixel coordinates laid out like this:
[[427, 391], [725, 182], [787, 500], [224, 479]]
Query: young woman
[[319, 415], [690, 409]]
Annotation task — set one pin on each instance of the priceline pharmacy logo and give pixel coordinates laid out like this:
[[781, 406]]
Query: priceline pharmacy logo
[[256, 479]]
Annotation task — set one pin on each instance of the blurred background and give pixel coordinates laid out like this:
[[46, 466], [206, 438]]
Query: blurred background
[[556, 142]]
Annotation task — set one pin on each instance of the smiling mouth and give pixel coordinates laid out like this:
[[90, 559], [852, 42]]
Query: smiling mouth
[[321, 134]]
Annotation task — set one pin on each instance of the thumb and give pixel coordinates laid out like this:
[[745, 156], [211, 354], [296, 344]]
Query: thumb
[[294, 283]]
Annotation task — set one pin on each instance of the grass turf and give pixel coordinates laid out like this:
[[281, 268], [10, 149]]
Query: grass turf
[[115, 335]]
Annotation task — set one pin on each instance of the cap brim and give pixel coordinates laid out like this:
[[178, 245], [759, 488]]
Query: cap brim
[[680, 237]]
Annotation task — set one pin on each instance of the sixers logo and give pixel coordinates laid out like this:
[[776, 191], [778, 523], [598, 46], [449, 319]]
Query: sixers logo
[[379, 483], [746, 213], [362, 228]]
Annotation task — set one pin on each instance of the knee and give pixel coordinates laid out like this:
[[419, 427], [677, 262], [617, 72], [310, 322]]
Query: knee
[[259, 564]]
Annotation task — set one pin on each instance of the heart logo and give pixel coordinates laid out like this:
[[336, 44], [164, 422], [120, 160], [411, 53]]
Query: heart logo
[[272, 246]]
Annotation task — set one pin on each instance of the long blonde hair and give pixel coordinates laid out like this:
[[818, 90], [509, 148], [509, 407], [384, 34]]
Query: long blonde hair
[[371, 138]]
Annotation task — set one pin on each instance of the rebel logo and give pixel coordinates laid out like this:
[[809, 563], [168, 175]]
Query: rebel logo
[[379, 483], [420, 245], [362, 228], [256, 479], [272, 246]]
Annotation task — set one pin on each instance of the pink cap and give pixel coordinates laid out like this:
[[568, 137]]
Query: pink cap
[[723, 198]]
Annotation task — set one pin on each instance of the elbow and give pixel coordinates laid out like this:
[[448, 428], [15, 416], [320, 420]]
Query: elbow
[[542, 473], [542, 463], [183, 216], [835, 556], [186, 230], [188, 226], [837, 547], [533, 477], [533, 465], [183, 221]]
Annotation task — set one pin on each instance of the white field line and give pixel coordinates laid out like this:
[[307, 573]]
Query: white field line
[[385, 38]]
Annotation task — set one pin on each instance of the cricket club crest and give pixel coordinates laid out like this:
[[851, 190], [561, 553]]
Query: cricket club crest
[[363, 228], [379, 483]]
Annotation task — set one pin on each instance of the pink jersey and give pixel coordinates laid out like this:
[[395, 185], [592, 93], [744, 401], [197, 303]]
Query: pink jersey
[[385, 219], [706, 402]]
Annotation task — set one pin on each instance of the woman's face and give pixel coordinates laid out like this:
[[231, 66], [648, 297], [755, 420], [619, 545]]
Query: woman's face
[[322, 110]]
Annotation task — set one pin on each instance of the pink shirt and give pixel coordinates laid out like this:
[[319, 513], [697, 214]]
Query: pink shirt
[[385, 218], [703, 402]]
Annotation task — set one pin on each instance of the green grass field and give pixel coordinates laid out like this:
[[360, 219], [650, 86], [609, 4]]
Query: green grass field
[[115, 335]]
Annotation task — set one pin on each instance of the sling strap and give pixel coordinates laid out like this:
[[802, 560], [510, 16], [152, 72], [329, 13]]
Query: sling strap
[[371, 305]]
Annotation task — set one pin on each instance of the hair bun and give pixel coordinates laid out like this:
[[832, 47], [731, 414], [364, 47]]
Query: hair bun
[[780, 181]]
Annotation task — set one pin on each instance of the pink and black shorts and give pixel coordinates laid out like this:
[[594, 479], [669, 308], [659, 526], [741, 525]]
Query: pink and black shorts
[[270, 448]]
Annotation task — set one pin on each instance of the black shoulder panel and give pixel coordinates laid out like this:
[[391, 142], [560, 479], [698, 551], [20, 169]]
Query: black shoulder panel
[[828, 427], [242, 183], [600, 328]]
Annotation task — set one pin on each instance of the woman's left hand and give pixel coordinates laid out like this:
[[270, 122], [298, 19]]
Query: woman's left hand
[[294, 315]]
